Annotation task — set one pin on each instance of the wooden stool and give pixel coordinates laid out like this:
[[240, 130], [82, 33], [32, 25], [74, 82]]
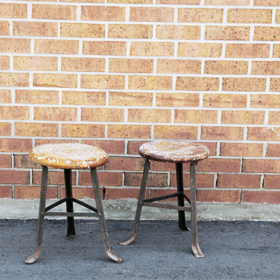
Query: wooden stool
[[67, 157], [177, 152]]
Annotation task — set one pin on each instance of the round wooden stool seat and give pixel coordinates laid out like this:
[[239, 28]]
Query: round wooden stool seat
[[173, 151], [69, 156]]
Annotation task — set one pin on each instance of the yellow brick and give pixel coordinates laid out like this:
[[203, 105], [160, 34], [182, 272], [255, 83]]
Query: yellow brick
[[167, 99], [175, 132], [35, 63], [200, 15], [249, 16], [4, 28], [199, 50], [103, 81], [79, 64], [104, 48], [224, 100], [222, 133], [247, 50], [150, 82], [266, 33], [30, 28], [121, 65], [265, 101], [8, 45], [228, 2], [5, 129], [9, 10], [179, 32], [266, 68], [151, 14], [274, 84], [36, 96], [179, 2], [276, 50], [83, 130], [55, 114], [178, 66], [226, 67], [83, 98], [244, 84], [233, 33], [129, 131], [133, 31], [131, 1], [104, 13], [266, 3], [243, 117], [84, 30], [4, 63], [149, 115], [152, 48], [274, 118], [55, 80], [14, 79], [197, 83], [130, 98], [54, 12], [36, 129], [14, 113], [102, 114], [5, 96], [196, 116], [56, 46]]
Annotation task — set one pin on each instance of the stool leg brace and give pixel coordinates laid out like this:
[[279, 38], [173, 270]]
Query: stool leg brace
[[181, 215], [70, 212]]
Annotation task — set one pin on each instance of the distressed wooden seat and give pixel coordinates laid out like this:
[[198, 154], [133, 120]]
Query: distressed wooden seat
[[68, 157], [177, 152]]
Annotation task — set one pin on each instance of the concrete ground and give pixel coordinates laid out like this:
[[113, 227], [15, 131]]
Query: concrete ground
[[234, 250]]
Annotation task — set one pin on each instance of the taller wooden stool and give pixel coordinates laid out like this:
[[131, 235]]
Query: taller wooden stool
[[67, 157], [177, 152]]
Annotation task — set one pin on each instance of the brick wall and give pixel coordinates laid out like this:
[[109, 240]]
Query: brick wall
[[118, 73]]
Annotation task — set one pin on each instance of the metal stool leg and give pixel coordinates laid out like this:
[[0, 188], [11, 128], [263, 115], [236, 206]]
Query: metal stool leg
[[194, 239], [101, 217], [181, 201], [139, 204], [41, 216], [69, 203]]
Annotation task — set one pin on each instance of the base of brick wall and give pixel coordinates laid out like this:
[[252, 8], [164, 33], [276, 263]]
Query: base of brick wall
[[125, 209]]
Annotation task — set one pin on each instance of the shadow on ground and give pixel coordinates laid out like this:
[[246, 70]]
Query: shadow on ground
[[234, 250]]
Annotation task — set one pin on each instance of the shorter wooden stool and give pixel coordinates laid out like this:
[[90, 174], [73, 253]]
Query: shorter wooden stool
[[67, 157], [177, 152]]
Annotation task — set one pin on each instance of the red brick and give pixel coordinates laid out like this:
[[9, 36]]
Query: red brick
[[24, 161], [238, 181], [241, 150], [224, 100], [9, 45], [167, 99], [104, 47], [104, 13], [14, 177], [15, 145], [83, 98], [116, 193], [129, 131], [14, 112], [54, 178], [33, 192], [222, 133], [175, 132], [52, 141], [55, 114], [81, 193], [109, 146], [244, 84], [5, 96], [154, 179], [104, 178], [212, 146], [263, 133], [36, 96], [9, 10], [261, 166], [220, 196], [243, 117], [6, 192], [178, 66], [151, 14], [5, 129], [4, 63], [247, 50], [102, 114], [264, 197], [5, 161], [83, 130], [219, 165], [78, 64], [31, 28], [36, 129], [54, 12], [273, 150], [125, 163], [133, 146], [271, 182], [165, 166], [197, 83], [195, 116], [202, 180], [162, 192], [130, 98]]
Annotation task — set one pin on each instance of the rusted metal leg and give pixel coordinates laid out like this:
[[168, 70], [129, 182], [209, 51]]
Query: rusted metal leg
[[139, 204], [181, 202], [194, 239], [69, 203], [41, 216], [101, 217]]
